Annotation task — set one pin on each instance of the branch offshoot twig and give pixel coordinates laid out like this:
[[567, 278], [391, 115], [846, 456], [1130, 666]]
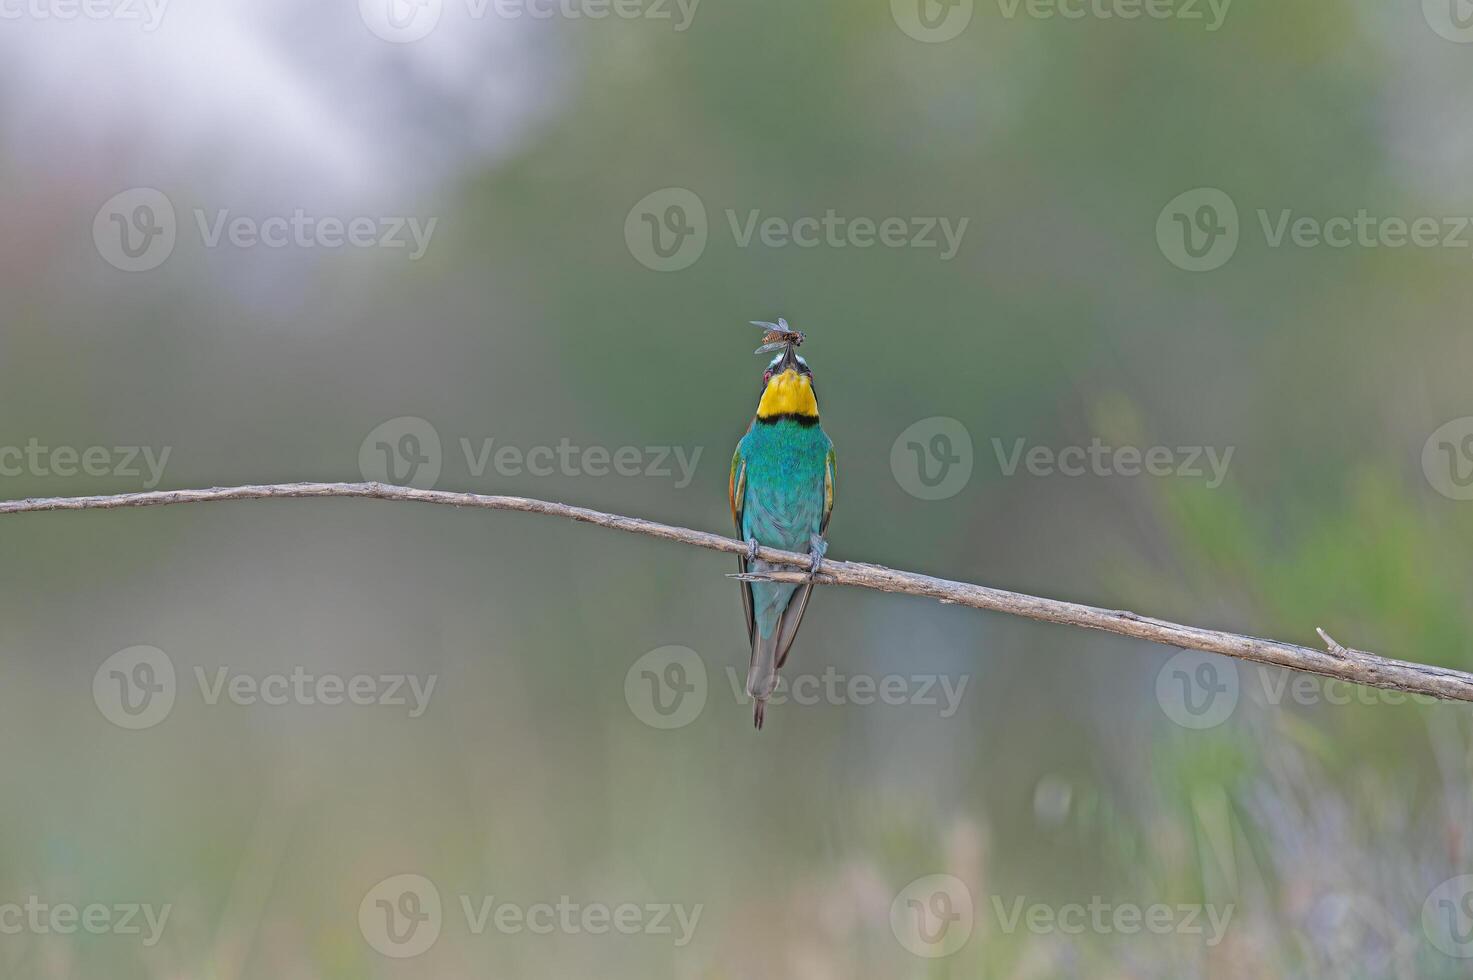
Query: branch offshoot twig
[[1331, 645]]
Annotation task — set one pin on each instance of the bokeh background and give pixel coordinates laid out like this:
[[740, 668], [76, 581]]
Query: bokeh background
[[1072, 768]]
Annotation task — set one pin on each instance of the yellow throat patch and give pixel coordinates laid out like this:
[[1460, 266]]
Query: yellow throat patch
[[789, 393]]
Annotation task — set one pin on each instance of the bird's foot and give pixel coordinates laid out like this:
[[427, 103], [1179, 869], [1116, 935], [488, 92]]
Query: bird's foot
[[751, 549], [817, 548]]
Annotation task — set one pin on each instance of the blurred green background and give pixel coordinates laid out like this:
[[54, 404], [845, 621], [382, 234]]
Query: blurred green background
[[1074, 768]]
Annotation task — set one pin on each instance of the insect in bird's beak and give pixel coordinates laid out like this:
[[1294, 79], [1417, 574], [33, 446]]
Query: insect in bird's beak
[[778, 336]]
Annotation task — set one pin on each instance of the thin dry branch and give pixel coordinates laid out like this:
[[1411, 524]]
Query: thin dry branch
[[1356, 666]]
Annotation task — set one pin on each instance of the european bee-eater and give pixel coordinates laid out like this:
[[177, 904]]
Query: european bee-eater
[[782, 492]]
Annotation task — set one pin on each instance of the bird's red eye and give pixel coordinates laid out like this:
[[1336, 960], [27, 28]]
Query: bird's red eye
[[767, 376]]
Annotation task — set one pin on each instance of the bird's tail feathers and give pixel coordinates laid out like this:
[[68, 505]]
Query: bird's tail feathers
[[762, 674]]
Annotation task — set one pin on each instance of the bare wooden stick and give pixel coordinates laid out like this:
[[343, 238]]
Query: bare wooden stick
[[1356, 666]]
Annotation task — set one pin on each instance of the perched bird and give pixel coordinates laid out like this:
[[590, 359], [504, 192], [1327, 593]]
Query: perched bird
[[782, 492]]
